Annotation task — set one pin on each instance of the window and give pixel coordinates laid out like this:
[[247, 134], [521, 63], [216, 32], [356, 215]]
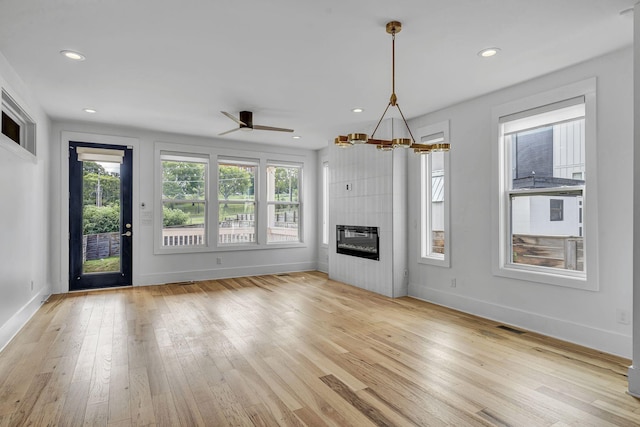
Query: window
[[325, 203], [18, 128], [543, 151], [184, 200], [434, 206], [556, 210], [283, 203], [236, 201]]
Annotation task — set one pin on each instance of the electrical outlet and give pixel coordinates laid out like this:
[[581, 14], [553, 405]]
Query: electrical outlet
[[32, 285], [623, 317], [218, 260], [453, 283]]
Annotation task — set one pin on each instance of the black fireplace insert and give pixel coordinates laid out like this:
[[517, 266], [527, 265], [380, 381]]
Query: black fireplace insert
[[358, 241]]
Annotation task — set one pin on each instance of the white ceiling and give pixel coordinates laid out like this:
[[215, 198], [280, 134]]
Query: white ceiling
[[173, 65]]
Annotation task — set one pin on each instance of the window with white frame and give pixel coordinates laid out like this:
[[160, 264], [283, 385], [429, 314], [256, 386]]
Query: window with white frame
[[544, 167], [237, 201], [325, 203], [434, 197], [283, 203], [18, 128], [184, 200]]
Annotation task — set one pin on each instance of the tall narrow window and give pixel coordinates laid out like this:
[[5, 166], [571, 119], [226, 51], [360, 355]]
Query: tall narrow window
[[434, 218], [283, 203], [325, 203], [236, 201], [184, 200]]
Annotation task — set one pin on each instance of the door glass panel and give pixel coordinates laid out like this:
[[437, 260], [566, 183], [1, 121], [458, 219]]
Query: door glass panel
[[101, 228]]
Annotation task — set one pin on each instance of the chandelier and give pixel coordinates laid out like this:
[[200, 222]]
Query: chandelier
[[349, 140]]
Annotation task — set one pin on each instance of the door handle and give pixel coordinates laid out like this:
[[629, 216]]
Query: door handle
[[128, 234]]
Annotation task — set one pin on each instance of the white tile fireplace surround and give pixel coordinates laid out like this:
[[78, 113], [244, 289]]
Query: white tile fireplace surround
[[368, 188]]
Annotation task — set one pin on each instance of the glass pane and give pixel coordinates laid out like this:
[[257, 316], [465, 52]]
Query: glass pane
[[548, 157], [282, 183], [183, 180], [437, 204], [236, 181], [283, 225], [236, 222], [547, 231], [183, 223], [100, 217], [184, 208]]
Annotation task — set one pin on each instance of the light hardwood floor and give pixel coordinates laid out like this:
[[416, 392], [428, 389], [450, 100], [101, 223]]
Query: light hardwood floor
[[293, 350]]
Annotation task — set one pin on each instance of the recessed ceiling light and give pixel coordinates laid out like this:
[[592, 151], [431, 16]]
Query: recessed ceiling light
[[357, 110], [296, 137], [89, 110], [73, 55], [489, 52]]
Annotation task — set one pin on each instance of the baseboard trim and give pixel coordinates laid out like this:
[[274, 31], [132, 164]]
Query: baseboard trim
[[223, 273], [12, 326], [595, 338]]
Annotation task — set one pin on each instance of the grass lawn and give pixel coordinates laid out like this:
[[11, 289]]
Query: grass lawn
[[102, 265]]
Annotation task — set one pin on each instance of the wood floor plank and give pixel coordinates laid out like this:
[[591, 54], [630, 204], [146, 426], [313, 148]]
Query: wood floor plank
[[295, 349]]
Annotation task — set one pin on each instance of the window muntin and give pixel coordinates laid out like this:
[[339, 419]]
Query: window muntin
[[184, 200], [283, 203], [236, 202], [544, 152]]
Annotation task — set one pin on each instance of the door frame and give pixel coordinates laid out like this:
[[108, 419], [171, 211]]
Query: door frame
[[77, 279], [60, 263]]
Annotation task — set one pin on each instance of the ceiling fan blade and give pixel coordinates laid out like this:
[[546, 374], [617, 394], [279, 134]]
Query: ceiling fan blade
[[229, 131], [233, 118], [260, 127]]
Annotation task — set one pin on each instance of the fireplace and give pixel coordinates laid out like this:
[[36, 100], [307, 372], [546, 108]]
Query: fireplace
[[358, 241]]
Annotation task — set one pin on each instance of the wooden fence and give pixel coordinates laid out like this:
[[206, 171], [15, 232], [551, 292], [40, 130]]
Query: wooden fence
[[100, 246], [549, 251]]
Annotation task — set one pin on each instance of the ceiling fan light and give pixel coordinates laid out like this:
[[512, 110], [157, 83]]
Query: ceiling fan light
[[401, 142], [358, 138]]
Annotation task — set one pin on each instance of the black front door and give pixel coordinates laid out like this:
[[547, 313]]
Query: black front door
[[100, 215]]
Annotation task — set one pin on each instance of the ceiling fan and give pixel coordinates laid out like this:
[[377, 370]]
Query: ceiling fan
[[245, 123]]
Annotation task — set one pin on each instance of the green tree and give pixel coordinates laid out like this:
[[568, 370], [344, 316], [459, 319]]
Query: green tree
[[100, 219], [286, 183], [109, 189], [93, 167], [233, 180], [183, 180], [173, 217]]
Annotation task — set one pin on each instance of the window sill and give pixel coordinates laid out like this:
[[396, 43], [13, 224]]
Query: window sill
[[438, 262], [17, 149], [546, 277], [227, 248]]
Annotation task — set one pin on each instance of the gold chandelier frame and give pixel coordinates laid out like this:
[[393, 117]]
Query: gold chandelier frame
[[345, 141]]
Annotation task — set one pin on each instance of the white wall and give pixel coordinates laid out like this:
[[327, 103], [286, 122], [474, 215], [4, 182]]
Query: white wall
[[323, 250], [24, 222], [580, 316], [150, 268]]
